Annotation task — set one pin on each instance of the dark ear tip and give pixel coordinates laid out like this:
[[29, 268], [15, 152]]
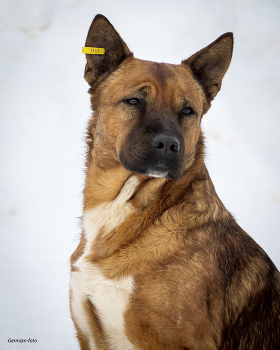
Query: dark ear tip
[[99, 16], [227, 35]]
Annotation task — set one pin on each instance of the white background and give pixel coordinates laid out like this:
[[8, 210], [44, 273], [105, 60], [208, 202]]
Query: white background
[[44, 108]]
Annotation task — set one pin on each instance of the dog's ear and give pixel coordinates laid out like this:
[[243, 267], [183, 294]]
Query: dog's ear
[[102, 34], [210, 64]]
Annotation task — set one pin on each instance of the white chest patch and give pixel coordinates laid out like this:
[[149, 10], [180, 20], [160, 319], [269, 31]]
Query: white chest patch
[[110, 297]]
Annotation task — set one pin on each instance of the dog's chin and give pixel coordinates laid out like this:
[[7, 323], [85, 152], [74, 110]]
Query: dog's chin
[[157, 173], [170, 175], [160, 170]]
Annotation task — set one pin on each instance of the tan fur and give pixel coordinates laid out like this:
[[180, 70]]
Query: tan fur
[[162, 256]]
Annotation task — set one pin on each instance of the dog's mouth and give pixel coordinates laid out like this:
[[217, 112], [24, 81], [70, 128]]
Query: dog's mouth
[[160, 170], [153, 169], [163, 173], [158, 173]]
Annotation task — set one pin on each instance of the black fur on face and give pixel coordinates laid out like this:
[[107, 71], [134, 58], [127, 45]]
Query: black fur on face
[[155, 147]]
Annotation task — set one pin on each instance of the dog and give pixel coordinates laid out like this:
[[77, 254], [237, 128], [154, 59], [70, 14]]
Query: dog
[[161, 263]]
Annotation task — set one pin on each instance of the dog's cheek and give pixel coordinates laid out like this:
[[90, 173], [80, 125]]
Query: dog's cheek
[[122, 127], [191, 131], [120, 144]]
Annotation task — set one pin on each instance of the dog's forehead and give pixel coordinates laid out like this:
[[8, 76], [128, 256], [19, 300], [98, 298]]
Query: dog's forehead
[[159, 79]]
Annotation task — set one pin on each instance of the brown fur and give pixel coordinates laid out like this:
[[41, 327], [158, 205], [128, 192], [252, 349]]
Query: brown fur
[[200, 281]]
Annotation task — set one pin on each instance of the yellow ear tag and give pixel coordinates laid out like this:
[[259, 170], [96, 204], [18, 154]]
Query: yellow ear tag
[[93, 50]]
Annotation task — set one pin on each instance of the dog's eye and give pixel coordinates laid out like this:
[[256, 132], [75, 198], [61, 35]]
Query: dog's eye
[[133, 101], [187, 111]]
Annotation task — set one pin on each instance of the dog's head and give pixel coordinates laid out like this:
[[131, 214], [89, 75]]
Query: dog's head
[[147, 115]]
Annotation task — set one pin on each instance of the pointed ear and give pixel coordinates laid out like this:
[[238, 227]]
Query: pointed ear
[[102, 34], [210, 64]]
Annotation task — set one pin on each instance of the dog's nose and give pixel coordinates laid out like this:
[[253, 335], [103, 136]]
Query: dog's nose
[[165, 144]]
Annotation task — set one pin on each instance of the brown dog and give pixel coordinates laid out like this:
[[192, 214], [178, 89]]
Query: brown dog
[[161, 263]]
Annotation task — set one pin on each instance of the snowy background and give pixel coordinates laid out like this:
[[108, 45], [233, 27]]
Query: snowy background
[[44, 108]]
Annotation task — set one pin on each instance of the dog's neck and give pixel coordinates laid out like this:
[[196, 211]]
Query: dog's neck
[[132, 203]]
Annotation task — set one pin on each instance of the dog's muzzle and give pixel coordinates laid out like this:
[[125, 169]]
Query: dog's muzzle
[[157, 155]]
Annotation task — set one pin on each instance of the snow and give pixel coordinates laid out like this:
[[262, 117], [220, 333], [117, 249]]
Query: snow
[[43, 115]]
